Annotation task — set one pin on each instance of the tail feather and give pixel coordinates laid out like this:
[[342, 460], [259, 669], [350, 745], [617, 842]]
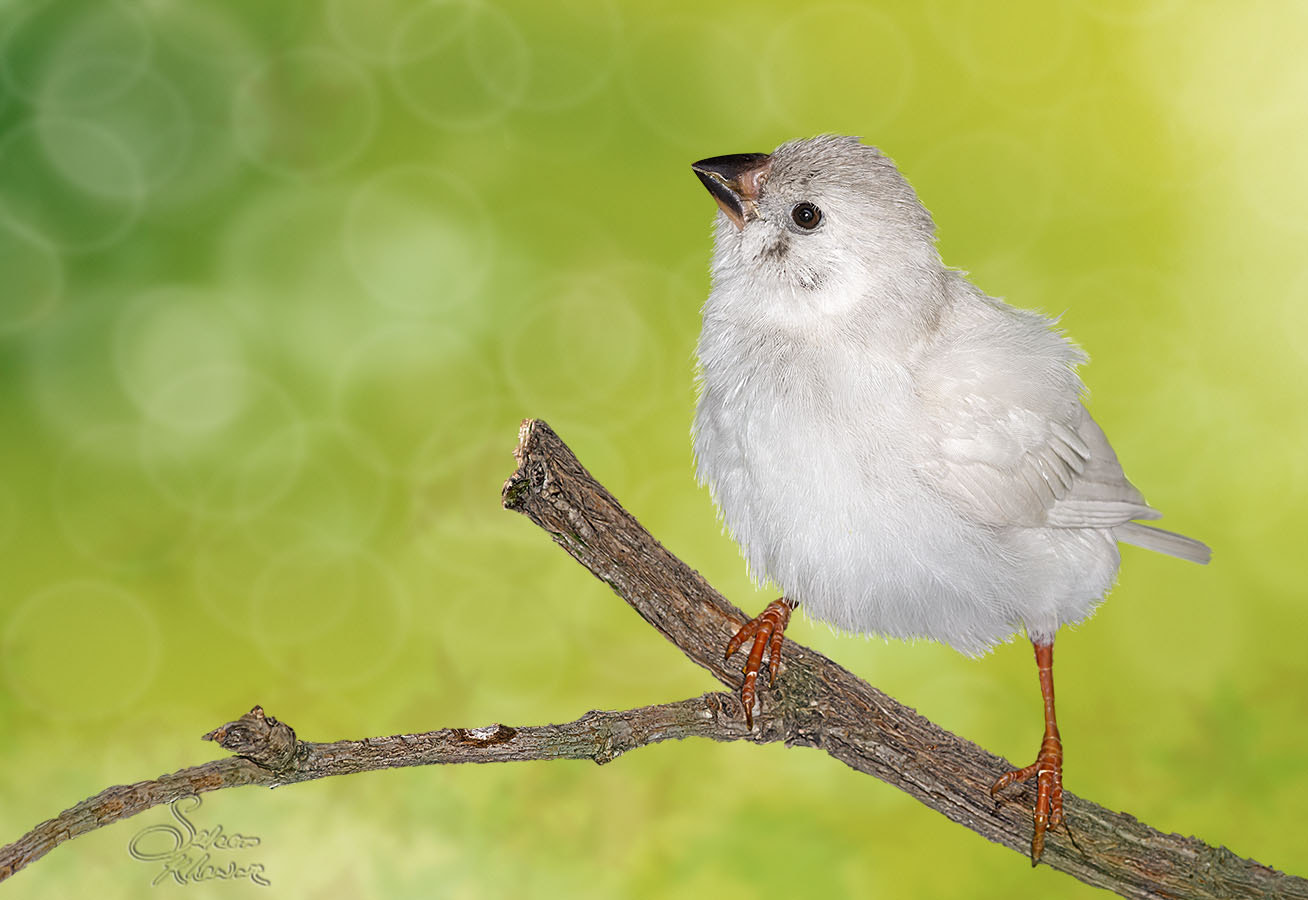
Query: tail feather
[[1161, 541]]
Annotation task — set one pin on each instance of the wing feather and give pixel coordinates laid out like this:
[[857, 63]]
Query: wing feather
[[1014, 444], [1046, 482]]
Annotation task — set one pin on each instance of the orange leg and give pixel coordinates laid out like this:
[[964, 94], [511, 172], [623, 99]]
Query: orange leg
[[1048, 767], [768, 629]]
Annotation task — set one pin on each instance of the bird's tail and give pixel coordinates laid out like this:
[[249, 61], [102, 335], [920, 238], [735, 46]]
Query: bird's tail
[[1161, 541]]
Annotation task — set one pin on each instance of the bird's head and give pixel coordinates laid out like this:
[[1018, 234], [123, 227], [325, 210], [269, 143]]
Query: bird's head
[[817, 226]]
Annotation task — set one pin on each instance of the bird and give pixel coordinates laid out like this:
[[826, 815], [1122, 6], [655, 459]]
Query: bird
[[900, 453]]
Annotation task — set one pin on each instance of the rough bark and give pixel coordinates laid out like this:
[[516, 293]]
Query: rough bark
[[268, 753], [814, 703], [818, 703]]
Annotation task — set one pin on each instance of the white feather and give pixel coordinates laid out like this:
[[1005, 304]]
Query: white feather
[[900, 453]]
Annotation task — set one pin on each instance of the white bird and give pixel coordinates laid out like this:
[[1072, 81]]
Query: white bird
[[900, 453]]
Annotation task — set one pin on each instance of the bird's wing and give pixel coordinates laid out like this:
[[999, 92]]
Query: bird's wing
[[1063, 474], [1012, 442]]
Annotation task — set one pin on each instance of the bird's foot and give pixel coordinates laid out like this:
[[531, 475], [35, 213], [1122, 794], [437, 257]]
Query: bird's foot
[[1048, 772], [768, 629]]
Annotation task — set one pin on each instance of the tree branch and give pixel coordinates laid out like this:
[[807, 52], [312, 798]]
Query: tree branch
[[814, 703], [817, 703], [268, 754]]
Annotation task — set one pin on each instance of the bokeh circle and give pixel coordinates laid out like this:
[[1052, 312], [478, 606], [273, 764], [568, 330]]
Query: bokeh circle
[[418, 241], [460, 64], [307, 112], [81, 650]]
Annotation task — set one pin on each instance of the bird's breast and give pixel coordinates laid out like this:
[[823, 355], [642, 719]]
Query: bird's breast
[[807, 444], [819, 456]]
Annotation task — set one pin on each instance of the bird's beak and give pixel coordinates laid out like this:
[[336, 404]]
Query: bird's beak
[[734, 181]]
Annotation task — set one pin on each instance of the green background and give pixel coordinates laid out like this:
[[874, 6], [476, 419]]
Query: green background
[[278, 280]]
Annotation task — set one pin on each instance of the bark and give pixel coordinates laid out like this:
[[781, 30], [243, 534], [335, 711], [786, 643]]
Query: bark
[[813, 703]]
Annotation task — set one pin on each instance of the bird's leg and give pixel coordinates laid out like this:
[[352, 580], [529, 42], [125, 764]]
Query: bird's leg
[[768, 629], [1048, 767]]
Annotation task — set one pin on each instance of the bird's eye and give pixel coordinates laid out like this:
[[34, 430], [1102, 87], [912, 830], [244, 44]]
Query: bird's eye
[[806, 215]]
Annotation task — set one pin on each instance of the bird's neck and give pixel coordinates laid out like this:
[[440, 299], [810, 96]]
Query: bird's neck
[[892, 309]]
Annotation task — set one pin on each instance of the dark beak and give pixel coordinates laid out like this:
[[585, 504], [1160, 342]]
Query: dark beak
[[735, 181]]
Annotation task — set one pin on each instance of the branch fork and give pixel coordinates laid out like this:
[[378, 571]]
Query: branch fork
[[814, 702]]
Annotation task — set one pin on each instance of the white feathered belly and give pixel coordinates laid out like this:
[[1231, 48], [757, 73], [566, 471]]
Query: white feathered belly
[[826, 505]]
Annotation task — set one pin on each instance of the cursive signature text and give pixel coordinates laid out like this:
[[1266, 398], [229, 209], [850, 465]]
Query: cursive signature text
[[190, 855]]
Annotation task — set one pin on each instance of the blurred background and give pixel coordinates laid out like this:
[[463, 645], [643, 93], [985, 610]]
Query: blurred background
[[279, 280]]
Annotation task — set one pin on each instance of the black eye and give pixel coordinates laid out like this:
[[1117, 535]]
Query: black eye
[[806, 215]]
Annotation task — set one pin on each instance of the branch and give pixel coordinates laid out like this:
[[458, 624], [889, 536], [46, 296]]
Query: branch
[[817, 703], [814, 703], [268, 754]]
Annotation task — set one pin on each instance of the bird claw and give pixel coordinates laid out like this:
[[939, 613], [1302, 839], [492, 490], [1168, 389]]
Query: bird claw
[[1048, 772], [768, 629]]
